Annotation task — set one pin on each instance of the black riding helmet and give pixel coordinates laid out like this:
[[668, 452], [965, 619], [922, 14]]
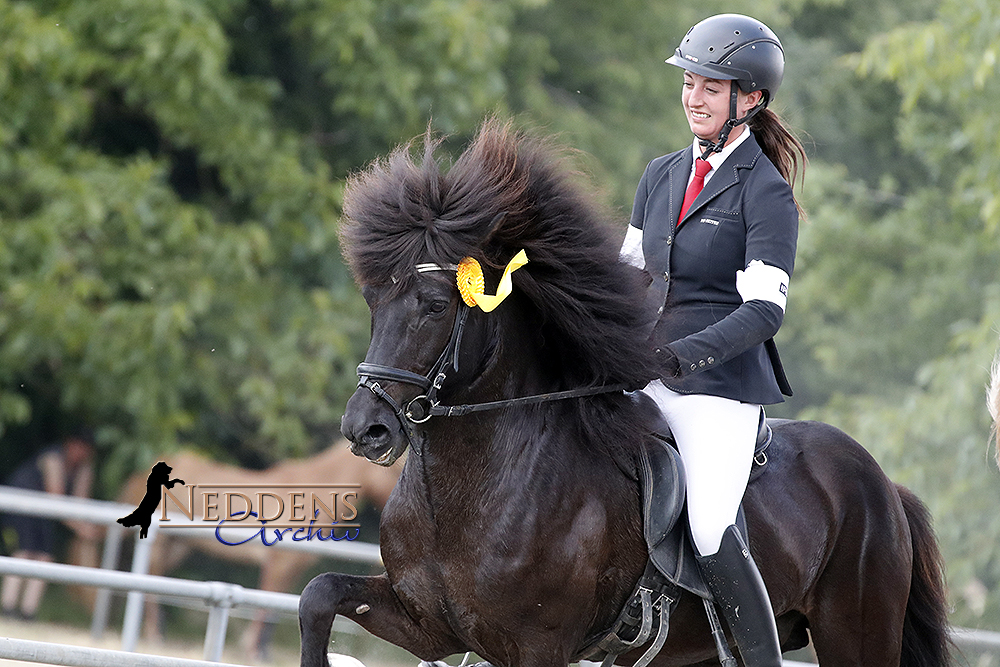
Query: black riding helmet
[[736, 48]]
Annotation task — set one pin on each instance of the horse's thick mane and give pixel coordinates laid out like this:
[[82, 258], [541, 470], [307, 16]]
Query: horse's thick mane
[[508, 191]]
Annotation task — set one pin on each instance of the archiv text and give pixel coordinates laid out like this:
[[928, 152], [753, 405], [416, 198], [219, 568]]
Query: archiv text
[[241, 513]]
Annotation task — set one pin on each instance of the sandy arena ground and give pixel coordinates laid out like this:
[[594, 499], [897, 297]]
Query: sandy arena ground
[[62, 634], [372, 652]]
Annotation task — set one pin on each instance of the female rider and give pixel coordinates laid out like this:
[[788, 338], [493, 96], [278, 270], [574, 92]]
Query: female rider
[[722, 259]]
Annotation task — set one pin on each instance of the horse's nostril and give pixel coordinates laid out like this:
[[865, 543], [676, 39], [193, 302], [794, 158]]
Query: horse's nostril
[[375, 433]]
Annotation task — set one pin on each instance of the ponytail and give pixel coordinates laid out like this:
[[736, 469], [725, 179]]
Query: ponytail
[[781, 148]]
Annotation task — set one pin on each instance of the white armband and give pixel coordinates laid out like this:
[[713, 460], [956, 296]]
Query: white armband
[[631, 252], [764, 282]]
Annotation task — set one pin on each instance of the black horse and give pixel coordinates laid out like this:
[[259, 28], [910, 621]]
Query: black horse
[[516, 532]]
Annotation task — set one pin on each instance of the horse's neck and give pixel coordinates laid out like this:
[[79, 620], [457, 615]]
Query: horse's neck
[[493, 449], [501, 454], [516, 366]]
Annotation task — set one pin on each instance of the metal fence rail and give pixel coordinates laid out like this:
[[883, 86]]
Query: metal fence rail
[[106, 513], [50, 506], [220, 597], [47, 653]]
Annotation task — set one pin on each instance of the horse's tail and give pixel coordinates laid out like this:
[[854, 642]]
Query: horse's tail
[[925, 627], [993, 402]]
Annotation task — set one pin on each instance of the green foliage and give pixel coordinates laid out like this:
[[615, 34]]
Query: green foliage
[[168, 258], [949, 102], [882, 280], [899, 293], [359, 76]]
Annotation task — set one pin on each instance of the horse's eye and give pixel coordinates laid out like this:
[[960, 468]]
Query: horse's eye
[[438, 307]]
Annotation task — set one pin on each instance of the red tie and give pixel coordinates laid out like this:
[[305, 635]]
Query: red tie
[[701, 168]]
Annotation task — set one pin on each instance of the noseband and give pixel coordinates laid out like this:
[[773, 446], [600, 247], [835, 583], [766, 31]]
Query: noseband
[[421, 408]]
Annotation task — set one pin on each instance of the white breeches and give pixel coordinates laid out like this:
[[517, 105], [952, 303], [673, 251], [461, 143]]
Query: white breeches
[[716, 438]]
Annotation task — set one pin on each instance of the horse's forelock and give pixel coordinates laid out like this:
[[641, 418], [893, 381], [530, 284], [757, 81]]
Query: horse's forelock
[[404, 210], [508, 191]]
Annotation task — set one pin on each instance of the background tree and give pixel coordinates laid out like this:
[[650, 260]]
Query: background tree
[[909, 303], [169, 265]]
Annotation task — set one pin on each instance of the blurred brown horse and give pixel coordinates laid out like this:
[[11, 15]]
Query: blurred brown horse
[[279, 568]]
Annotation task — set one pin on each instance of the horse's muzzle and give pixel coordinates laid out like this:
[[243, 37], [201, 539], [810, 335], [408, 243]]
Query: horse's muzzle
[[372, 428]]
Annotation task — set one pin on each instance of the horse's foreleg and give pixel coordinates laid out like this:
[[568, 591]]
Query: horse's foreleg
[[370, 602]]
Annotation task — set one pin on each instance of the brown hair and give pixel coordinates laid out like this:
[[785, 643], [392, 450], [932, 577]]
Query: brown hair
[[781, 147]]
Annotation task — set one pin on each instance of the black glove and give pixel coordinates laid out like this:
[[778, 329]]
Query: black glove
[[669, 364]]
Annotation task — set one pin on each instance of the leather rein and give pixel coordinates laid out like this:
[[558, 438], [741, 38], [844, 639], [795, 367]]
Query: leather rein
[[426, 405]]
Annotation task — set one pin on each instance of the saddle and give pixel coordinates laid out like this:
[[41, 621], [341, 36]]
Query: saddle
[[672, 566], [661, 470]]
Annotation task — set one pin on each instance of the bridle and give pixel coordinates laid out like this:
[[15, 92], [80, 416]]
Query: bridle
[[733, 120], [426, 405]]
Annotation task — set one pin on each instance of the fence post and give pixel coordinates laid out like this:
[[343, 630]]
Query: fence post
[[133, 602], [109, 561], [218, 620]]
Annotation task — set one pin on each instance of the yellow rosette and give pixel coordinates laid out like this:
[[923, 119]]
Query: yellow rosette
[[470, 280], [472, 285]]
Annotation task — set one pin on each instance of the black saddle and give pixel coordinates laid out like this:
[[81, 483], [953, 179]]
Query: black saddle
[[671, 567], [668, 538]]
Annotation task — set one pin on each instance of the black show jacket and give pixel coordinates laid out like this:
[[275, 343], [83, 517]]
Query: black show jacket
[[745, 212]]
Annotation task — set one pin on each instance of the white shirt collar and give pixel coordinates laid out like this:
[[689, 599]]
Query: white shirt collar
[[716, 159]]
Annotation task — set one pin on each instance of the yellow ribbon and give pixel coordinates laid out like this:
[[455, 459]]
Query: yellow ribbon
[[472, 285]]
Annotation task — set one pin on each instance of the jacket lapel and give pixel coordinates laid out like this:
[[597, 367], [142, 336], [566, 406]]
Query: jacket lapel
[[677, 177], [725, 177]]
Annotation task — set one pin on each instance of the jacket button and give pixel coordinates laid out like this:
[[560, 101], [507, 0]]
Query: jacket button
[[666, 276], [694, 367], [711, 360], [701, 363], [670, 240]]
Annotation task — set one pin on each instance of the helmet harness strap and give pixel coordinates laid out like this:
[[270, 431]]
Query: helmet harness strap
[[720, 143]]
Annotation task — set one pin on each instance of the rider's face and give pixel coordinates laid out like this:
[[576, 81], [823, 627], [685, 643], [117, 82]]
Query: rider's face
[[706, 104]]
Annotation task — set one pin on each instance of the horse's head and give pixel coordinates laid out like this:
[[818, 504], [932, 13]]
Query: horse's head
[[415, 345], [408, 229]]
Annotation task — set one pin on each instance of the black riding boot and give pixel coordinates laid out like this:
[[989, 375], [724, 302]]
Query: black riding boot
[[739, 590]]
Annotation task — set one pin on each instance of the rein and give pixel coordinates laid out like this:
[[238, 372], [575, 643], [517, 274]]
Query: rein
[[421, 408]]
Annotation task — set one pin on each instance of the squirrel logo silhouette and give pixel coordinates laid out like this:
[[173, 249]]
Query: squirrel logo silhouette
[[143, 514]]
